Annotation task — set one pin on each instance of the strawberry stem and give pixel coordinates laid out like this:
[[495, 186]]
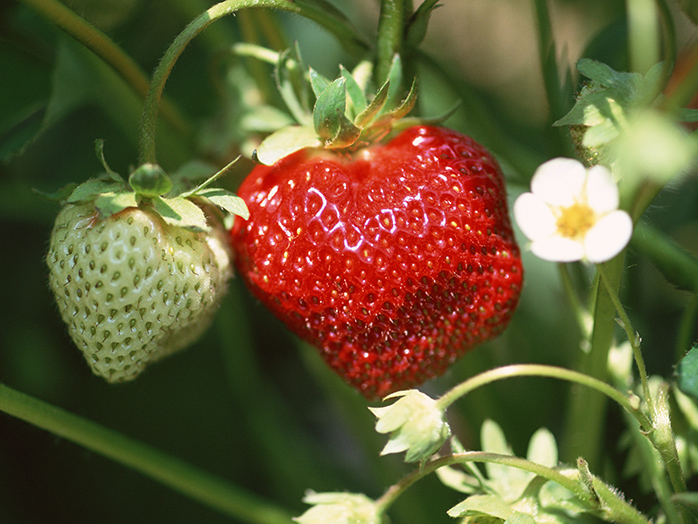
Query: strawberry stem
[[180, 476], [335, 25], [391, 28], [609, 502], [540, 370]]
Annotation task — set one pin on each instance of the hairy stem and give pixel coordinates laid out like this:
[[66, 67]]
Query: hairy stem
[[180, 476], [335, 25], [613, 507], [540, 370], [391, 27]]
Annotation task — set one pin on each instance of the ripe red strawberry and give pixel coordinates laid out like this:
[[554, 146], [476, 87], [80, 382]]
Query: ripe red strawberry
[[393, 262]]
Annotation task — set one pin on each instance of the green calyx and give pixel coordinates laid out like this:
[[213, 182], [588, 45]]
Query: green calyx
[[149, 187], [607, 103], [345, 115]]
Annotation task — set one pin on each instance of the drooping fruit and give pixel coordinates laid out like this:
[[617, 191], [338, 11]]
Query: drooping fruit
[[393, 262]]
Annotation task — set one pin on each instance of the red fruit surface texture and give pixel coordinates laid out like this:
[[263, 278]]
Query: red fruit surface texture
[[393, 262]]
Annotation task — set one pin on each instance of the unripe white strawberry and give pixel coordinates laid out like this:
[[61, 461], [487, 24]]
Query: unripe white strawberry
[[131, 288], [137, 276]]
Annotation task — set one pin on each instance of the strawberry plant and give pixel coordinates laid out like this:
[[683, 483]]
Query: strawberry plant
[[432, 263]]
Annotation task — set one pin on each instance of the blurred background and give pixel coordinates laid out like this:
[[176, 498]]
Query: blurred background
[[249, 402]]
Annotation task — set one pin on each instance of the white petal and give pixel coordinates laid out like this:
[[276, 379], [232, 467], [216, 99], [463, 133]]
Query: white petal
[[558, 249], [602, 191], [608, 237], [559, 181], [534, 216]]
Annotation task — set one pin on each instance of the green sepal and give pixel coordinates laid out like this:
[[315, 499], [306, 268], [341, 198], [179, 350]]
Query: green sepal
[[329, 118], [688, 115], [286, 75], [374, 108], [92, 188], [99, 151], [284, 142], [109, 204], [57, 196], [180, 212], [417, 24], [687, 372], [150, 180], [395, 79], [317, 82], [357, 99], [226, 200]]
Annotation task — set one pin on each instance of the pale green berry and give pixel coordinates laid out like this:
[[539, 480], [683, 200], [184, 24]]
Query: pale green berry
[[131, 288]]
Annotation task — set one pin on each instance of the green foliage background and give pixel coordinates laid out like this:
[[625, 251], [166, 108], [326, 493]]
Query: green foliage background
[[249, 402]]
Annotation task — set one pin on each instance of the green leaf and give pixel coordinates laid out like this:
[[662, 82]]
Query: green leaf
[[181, 212], [329, 116], [505, 480], [394, 82], [417, 25], [58, 196], [227, 201], [622, 83], [374, 108], [90, 189], [357, 99], [284, 142], [318, 82], [288, 88], [109, 204], [688, 373], [688, 115], [482, 505], [458, 480], [542, 448], [99, 151]]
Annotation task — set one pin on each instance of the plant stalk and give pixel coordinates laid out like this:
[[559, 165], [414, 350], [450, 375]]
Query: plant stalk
[[180, 476]]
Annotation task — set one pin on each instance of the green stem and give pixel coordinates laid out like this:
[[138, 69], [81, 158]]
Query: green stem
[[585, 414], [344, 33], [632, 335], [391, 28], [180, 476], [643, 34], [614, 507], [105, 48], [541, 370], [558, 103]]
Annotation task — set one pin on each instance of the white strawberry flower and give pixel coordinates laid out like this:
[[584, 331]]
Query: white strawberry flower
[[572, 213], [416, 423], [340, 508]]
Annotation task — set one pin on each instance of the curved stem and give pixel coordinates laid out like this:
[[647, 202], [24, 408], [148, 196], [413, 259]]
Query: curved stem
[[105, 48], [148, 124], [180, 476], [614, 507], [540, 370]]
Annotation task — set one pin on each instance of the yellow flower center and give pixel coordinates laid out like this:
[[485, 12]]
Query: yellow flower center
[[575, 221]]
